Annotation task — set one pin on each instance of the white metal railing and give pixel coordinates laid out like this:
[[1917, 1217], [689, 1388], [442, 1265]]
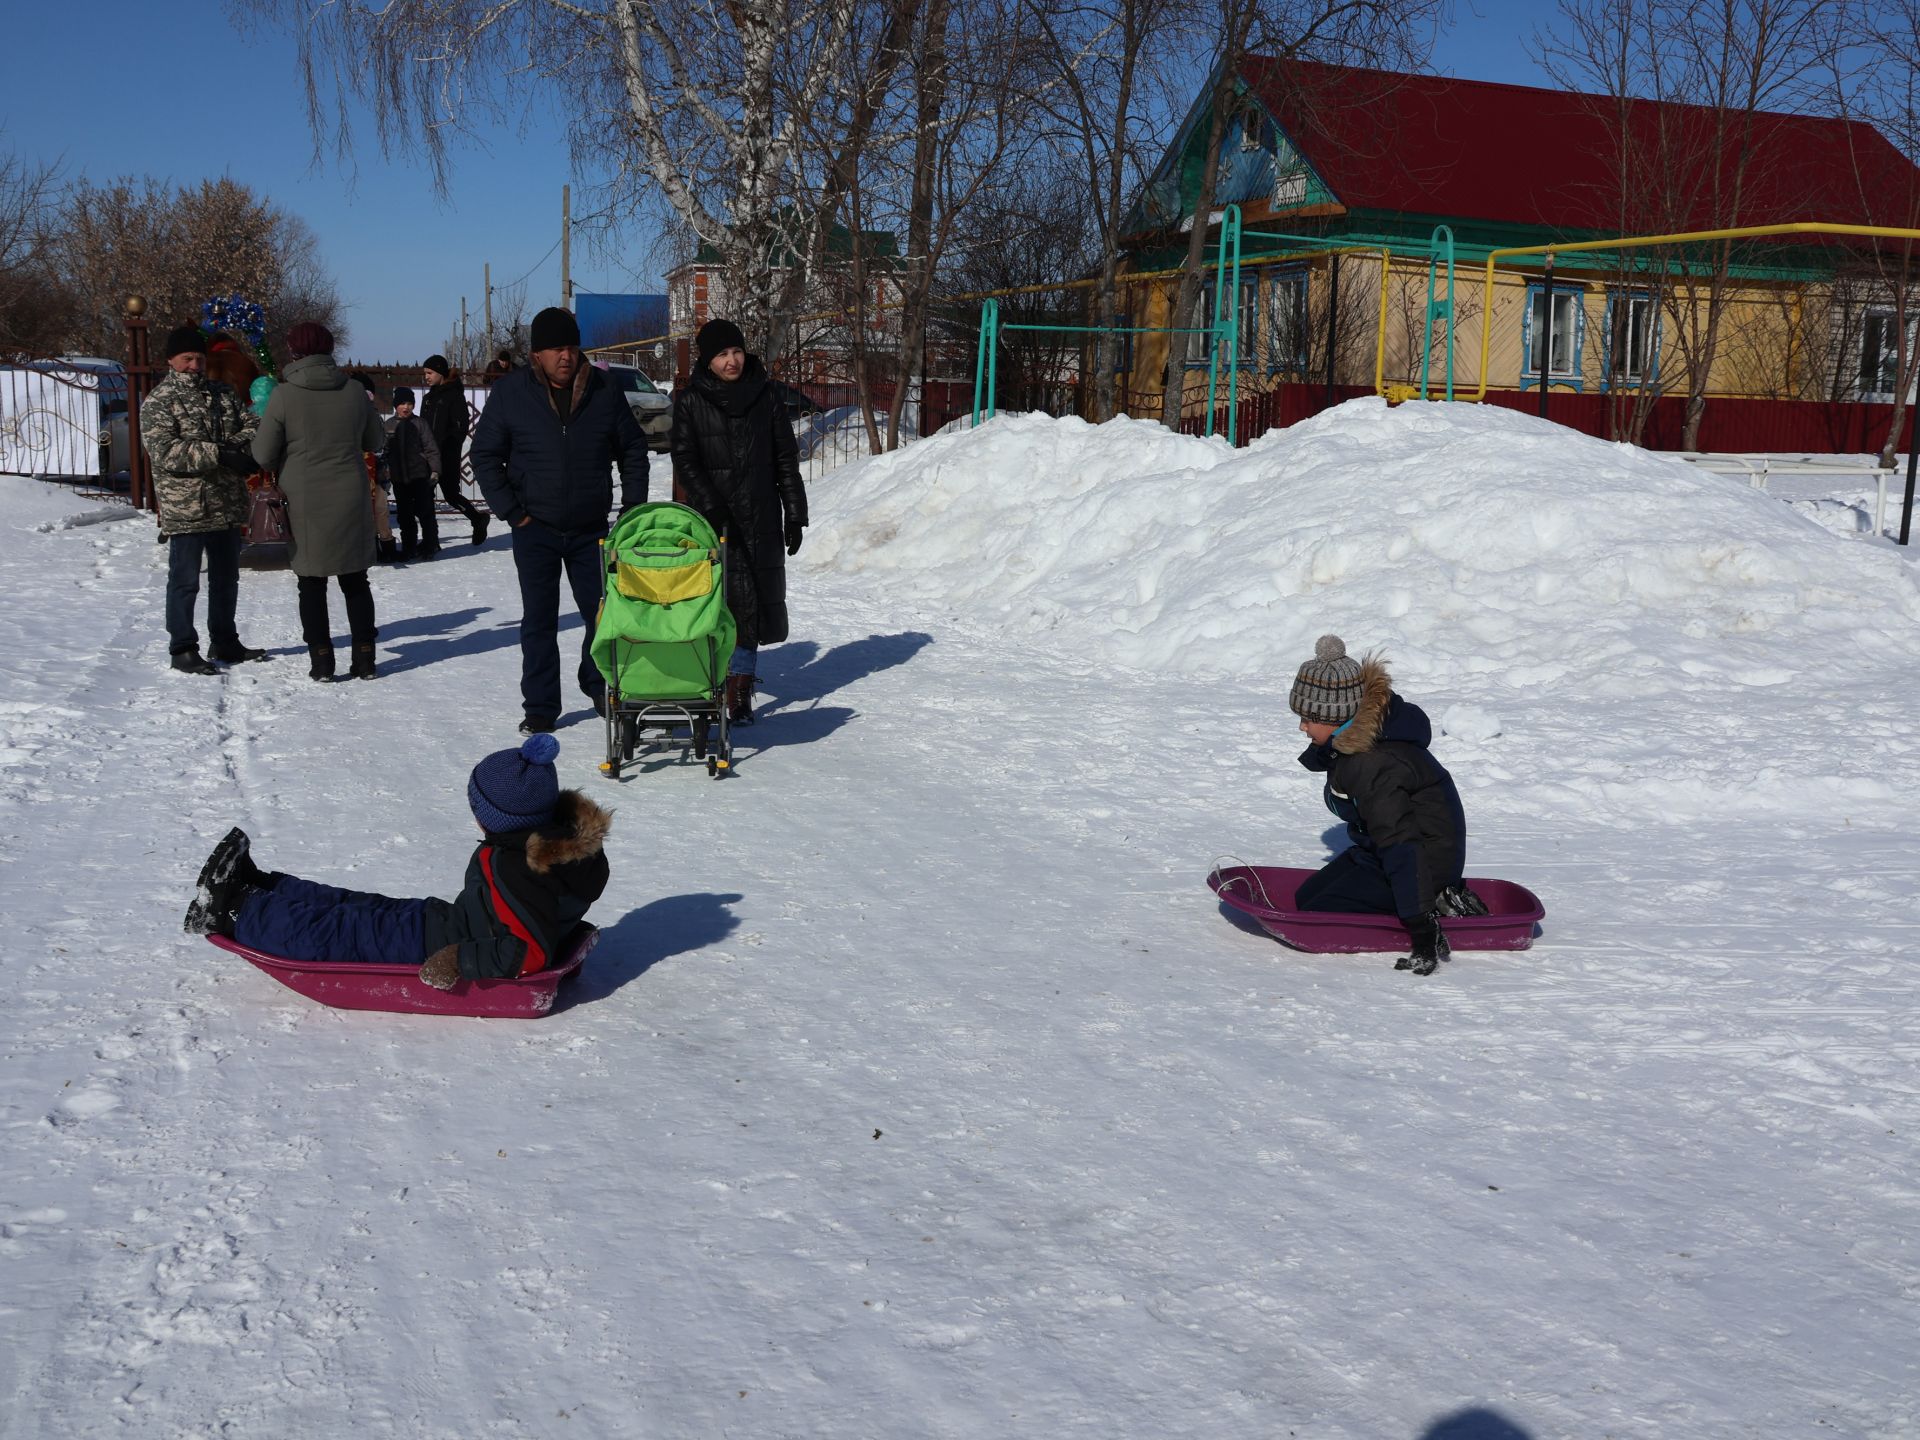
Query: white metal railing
[[1758, 469]]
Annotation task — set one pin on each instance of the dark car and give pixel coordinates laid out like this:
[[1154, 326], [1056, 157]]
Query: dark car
[[797, 403]]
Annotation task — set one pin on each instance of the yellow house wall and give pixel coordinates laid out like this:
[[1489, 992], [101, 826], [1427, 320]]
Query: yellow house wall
[[1775, 338]]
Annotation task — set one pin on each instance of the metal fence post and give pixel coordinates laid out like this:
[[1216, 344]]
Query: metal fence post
[[1546, 334], [1913, 456]]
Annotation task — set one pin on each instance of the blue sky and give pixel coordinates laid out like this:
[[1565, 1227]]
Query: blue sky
[[401, 255]]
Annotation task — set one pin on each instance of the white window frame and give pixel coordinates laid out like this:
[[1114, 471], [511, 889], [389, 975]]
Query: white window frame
[[1883, 315], [1573, 335], [1625, 375]]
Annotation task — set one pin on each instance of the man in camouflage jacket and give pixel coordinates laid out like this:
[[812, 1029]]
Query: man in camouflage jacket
[[196, 432]]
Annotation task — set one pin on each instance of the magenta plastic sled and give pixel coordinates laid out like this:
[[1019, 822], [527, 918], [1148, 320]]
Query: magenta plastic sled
[[1265, 893], [357, 985]]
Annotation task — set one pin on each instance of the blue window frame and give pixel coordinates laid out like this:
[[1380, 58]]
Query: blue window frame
[[1630, 353], [1569, 334], [1286, 347]]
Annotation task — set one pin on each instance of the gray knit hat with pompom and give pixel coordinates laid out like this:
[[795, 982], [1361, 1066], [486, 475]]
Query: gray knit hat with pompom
[[1327, 688]]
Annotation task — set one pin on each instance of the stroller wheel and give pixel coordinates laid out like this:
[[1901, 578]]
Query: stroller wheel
[[629, 736], [700, 729], [713, 766]]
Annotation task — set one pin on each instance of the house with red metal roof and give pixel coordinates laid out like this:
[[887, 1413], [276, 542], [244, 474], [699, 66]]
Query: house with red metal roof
[[1352, 185]]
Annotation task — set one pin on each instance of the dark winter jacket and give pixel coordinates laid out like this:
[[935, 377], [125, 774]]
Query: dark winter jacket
[[525, 891], [317, 430], [444, 408], [1398, 802], [735, 461], [411, 455], [532, 460]]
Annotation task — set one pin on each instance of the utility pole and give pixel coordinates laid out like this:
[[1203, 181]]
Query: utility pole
[[489, 309], [466, 360], [566, 246]]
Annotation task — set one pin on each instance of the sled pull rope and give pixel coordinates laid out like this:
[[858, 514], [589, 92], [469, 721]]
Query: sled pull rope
[[1250, 879]]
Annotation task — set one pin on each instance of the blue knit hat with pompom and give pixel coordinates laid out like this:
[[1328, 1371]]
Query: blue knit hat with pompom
[[516, 789]]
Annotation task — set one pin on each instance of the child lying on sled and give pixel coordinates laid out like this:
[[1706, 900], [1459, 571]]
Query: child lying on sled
[[538, 869], [1399, 804]]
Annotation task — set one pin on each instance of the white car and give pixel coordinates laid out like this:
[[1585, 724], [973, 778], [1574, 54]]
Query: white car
[[651, 406]]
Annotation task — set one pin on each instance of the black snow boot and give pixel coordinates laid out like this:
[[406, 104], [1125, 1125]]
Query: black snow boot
[[1459, 900], [363, 667], [189, 662], [480, 531], [237, 653], [217, 892], [320, 666]]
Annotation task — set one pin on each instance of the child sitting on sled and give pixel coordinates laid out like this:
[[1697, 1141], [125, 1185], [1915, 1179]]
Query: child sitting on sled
[[538, 869], [1399, 804]]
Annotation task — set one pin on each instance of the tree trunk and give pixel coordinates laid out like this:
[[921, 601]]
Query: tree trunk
[[1187, 292]]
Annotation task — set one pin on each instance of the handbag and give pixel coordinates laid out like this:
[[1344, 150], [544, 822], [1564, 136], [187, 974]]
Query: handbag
[[267, 515]]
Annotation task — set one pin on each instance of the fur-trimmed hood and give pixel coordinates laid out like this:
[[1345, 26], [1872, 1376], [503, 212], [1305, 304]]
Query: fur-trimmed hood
[[576, 832], [1376, 693]]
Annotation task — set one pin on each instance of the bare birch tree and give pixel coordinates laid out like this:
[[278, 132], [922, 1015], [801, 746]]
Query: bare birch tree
[[701, 104], [33, 303]]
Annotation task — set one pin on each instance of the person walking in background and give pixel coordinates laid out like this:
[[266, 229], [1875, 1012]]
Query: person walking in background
[[316, 432], [544, 453], [195, 432], [377, 483], [444, 408], [412, 459], [735, 460], [501, 365]]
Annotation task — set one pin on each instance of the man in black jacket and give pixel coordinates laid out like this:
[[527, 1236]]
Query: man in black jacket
[[544, 453], [445, 411]]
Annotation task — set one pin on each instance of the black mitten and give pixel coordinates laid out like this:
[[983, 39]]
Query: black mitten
[[237, 458], [795, 530], [1429, 945]]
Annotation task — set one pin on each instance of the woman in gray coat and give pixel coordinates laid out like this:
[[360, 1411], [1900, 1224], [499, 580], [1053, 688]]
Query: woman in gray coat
[[317, 430]]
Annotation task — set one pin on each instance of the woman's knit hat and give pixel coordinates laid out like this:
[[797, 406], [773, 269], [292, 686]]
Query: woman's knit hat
[[713, 337], [1326, 689], [438, 364], [309, 338], [516, 789], [402, 395]]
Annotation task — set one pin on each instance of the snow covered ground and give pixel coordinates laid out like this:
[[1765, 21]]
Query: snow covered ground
[[918, 1086]]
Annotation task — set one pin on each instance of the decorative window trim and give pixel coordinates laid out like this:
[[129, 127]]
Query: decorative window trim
[[1573, 378]]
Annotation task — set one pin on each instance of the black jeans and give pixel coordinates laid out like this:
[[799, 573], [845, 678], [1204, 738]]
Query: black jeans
[[419, 525], [540, 554], [315, 627], [450, 491], [222, 551]]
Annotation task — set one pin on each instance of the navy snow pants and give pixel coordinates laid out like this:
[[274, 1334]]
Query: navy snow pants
[[305, 920], [1353, 883]]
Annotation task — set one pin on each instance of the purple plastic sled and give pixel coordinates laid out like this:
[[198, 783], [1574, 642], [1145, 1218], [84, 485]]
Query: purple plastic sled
[[357, 985], [1265, 892]]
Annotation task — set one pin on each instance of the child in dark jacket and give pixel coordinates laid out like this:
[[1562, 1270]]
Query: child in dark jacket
[[532, 879], [1400, 806], [413, 459]]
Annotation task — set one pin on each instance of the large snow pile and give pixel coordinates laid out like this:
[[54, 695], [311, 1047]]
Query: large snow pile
[[1517, 575], [1476, 541]]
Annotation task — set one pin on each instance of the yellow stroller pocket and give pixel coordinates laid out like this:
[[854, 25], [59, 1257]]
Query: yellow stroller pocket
[[664, 578]]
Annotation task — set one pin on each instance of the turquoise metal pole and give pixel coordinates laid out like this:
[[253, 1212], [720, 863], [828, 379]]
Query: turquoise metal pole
[[1442, 308], [980, 358], [1224, 316]]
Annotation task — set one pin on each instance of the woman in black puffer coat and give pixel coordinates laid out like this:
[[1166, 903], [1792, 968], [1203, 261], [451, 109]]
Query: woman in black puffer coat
[[735, 461]]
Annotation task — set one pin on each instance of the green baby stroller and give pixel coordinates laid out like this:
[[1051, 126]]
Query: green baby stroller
[[664, 636]]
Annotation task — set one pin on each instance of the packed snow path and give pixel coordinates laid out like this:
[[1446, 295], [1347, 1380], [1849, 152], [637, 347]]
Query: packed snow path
[[918, 1087]]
